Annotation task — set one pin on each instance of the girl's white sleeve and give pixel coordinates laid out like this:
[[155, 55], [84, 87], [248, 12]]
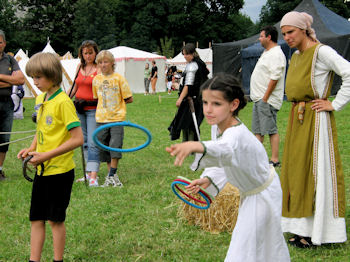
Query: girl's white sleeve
[[217, 177]]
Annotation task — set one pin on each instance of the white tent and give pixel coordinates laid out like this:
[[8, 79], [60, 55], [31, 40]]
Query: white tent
[[48, 48], [205, 54], [20, 55], [69, 67], [30, 90], [130, 63], [67, 55]]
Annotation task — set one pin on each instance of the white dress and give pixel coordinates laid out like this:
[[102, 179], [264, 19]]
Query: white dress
[[257, 235], [323, 227]]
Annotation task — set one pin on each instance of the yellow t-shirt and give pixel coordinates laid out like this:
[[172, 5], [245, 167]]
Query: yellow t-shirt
[[54, 120], [110, 90]]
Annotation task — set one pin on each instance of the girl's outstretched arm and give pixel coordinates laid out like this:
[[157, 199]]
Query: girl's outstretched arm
[[181, 151]]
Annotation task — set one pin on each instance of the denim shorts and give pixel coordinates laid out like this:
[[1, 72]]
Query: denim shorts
[[112, 137], [264, 119], [6, 119]]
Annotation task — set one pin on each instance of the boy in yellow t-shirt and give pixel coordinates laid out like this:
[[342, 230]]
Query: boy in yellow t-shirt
[[58, 134], [113, 93]]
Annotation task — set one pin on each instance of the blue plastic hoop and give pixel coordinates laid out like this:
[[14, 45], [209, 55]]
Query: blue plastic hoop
[[186, 201], [124, 123]]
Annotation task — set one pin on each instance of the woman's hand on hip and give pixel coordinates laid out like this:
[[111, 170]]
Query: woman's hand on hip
[[322, 105]]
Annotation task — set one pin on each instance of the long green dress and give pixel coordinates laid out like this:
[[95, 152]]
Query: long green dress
[[299, 166]]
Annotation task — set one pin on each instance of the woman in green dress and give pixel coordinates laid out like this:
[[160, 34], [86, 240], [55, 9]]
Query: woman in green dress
[[312, 177]]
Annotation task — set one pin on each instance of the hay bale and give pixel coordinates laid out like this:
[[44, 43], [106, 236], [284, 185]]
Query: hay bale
[[221, 216]]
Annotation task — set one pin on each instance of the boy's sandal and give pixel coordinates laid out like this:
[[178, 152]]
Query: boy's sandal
[[301, 242], [275, 164]]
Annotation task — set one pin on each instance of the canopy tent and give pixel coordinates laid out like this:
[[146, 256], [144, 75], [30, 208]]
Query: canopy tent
[[20, 55], [67, 55], [239, 58], [30, 89], [205, 54], [130, 63]]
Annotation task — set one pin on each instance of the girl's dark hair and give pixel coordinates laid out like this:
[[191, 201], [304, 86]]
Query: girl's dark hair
[[87, 43], [229, 86], [190, 49]]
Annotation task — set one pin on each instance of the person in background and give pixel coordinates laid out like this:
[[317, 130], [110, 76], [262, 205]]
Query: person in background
[[147, 78], [10, 74], [267, 90], [86, 107], [17, 96], [113, 93], [195, 74], [154, 77], [169, 80], [312, 177]]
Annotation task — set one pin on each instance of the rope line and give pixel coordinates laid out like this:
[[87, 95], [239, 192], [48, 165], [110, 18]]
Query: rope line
[[14, 141], [17, 132]]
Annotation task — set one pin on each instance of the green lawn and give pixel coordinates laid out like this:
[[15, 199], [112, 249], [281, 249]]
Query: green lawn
[[139, 221]]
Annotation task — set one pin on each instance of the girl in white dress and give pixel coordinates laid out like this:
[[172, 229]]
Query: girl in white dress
[[240, 159]]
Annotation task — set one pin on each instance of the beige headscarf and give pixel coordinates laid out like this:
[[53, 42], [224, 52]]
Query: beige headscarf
[[301, 20]]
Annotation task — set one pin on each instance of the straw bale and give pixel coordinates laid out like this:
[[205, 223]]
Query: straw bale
[[220, 217]]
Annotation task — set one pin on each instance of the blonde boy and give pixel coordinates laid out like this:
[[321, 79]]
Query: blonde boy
[[113, 93], [58, 134]]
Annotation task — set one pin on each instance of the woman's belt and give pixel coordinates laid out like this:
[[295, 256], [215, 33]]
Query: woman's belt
[[301, 109]]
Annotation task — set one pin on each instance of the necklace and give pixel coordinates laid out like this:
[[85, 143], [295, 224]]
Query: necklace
[[87, 74]]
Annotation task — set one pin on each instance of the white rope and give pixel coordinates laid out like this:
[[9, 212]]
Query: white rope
[[17, 132], [20, 139]]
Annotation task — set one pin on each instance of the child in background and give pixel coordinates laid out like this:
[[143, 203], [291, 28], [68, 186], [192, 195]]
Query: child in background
[[257, 235], [113, 93], [169, 78], [58, 134]]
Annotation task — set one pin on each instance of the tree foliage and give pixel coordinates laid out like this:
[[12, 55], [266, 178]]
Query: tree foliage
[[8, 23], [148, 25], [43, 19], [94, 20], [274, 10]]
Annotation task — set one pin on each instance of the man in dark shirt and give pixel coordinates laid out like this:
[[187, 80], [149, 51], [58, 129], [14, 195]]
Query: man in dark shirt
[[10, 74]]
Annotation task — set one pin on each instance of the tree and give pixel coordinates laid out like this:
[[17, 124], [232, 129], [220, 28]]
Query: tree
[[166, 48], [148, 25], [273, 10], [8, 22], [44, 19], [94, 20]]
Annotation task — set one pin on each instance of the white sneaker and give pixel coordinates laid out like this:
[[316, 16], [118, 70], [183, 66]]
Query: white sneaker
[[93, 182], [117, 181], [83, 178], [112, 181]]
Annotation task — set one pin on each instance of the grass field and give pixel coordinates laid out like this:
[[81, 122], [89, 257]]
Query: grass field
[[139, 221]]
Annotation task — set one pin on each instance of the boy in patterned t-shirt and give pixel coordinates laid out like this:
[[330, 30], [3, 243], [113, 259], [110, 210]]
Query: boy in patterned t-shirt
[[113, 93]]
